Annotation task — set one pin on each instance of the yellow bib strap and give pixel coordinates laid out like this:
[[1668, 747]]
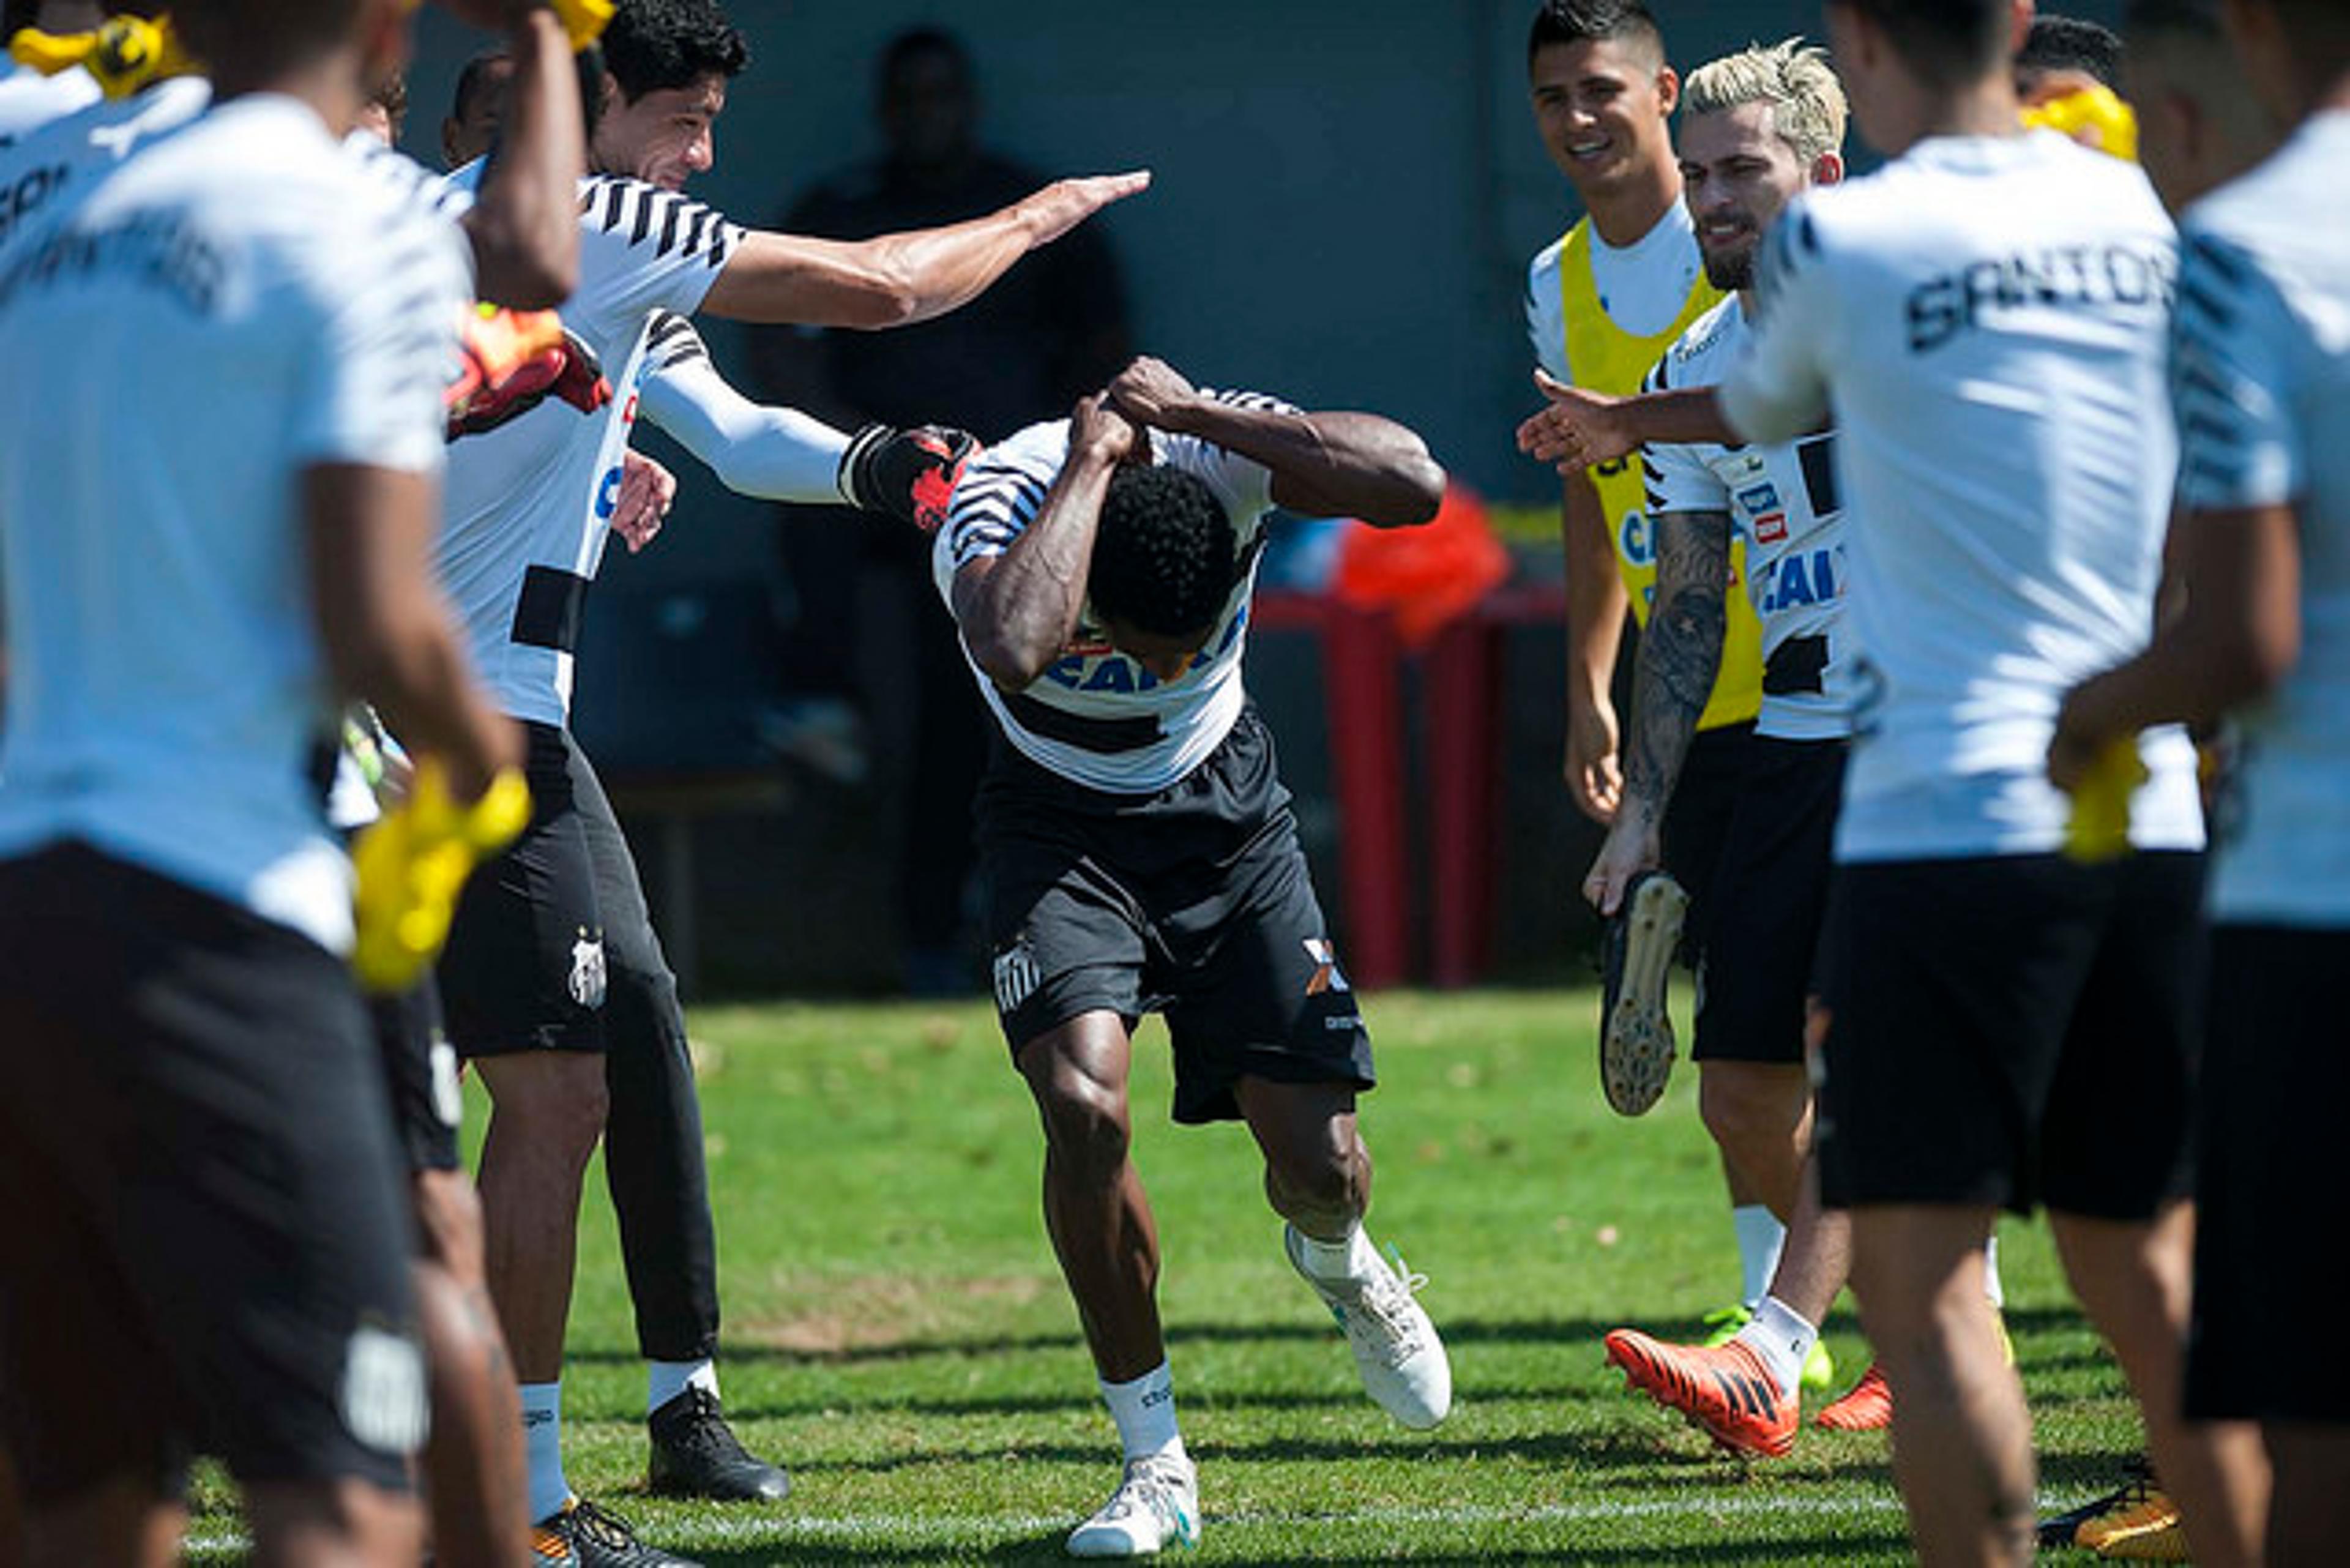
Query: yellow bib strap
[[1607, 358]]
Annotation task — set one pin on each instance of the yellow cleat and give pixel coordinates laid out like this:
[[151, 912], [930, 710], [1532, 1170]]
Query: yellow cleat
[[2141, 1529], [413, 864]]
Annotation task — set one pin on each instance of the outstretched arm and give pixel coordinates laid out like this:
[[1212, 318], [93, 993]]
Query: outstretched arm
[[1582, 428], [1680, 658], [1322, 464], [1018, 609], [896, 279]]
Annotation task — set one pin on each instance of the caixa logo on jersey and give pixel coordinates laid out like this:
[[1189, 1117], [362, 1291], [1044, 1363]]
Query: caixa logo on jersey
[[1099, 668], [607, 488], [1635, 540], [1802, 577]]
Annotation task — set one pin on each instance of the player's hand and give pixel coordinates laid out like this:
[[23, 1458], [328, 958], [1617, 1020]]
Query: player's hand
[[1594, 774], [647, 491], [412, 863], [1064, 203], [1153, 392], [907, 474], [1098, 430], [1630, 849], [1578, 430]]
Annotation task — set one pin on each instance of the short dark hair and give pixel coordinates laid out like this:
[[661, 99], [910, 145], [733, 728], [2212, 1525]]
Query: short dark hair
[[1584, 21], [1164, 553], [1944, 42], [259, 37], [475, 80], [391, 96], [2071, 44], [653, 46]]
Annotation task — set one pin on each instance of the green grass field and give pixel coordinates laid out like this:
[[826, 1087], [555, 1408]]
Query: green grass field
[[897, 1333]]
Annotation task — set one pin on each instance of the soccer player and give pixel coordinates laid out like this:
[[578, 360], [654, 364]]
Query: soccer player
[[194, 1125], [2260, 383], [555, 982], [1140, 857], [1757, 127], [1601, 309], [1602, 304], [1987, 317]]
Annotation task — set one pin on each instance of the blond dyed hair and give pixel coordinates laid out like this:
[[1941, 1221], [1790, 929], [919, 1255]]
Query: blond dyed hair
[[1807, 101]]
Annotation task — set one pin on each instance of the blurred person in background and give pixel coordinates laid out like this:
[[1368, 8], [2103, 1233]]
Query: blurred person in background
[[1052, 330]]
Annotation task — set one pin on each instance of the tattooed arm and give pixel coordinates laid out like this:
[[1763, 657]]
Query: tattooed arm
[[1679, 655]]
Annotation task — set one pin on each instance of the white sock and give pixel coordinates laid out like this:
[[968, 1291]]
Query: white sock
[[1144, 1411], [1780, 1338], [542, 1436], [1993, 1286], [1351, 1257], [1761, 1237], [665, 1380]]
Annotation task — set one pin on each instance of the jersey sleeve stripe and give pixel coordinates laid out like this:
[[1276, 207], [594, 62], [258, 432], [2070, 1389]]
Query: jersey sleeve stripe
[[693, 237]]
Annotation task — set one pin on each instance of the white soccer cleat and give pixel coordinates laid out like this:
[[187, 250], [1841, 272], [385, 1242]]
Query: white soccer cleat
[[1395, 1349], [1155, 1507]]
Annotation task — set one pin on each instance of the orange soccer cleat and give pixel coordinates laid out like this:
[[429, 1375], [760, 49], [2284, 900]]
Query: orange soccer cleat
[[1865, 1407], [1724, 1390]]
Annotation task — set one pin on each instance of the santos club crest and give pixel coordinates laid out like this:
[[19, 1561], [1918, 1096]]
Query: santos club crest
[[587, 970]]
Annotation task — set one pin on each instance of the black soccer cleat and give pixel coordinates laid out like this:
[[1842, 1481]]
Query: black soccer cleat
[[1636, 1030], [696, 1454], [597, 1540]]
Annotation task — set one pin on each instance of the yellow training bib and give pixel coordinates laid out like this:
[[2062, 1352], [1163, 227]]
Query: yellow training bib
[[1607, 358]]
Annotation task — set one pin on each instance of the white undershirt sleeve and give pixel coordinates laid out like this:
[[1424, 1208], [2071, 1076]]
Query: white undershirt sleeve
[[772, 453]]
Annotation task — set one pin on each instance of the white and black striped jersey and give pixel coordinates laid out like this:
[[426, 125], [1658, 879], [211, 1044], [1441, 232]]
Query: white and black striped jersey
[[1988, 316], [1096, 717], [1781, 498], [29, 101], [167, 696], [530, 503], [2261, 382]]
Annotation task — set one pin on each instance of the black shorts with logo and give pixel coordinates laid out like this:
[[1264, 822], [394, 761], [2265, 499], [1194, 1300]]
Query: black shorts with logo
[[207, 1241], [530, 954], [1194, 902], [419, 1071], [2268, 1260], [1760, 962], [2013, 1031], [1697, 824]]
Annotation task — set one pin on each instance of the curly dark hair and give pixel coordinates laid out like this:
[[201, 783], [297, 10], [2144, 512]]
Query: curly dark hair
[[2071, 44], [1164, 553], [1584, 21], [653, 46]]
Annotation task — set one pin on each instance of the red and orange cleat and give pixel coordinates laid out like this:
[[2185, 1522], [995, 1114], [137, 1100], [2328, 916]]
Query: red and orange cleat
[[1724, 1390], [1865, 1407]]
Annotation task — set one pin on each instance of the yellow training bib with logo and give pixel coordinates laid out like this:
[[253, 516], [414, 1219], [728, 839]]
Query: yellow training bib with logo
[[1607, 358]]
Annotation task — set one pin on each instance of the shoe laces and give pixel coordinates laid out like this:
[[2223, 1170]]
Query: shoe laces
[[584, 1520], [1151, 1485], [703, 1429], [1383, 1316]]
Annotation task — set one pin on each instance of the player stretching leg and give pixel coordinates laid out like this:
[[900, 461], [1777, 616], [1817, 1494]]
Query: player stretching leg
[[1140, 857]]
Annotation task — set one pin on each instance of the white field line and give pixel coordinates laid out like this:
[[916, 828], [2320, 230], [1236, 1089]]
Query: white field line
[[928, 1529]]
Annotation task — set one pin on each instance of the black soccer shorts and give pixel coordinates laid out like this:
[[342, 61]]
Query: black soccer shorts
[[1761, 964], [207, 1241], [2011, 1031], [1194, 902]]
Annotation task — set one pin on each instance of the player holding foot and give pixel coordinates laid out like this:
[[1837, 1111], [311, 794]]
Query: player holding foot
[[1757, 127], [1602, 304], [555, 982], [2261, 386], [1141, 856]]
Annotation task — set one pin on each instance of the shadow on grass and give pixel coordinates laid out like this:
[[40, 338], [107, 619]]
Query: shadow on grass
[[1890, 1539]]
